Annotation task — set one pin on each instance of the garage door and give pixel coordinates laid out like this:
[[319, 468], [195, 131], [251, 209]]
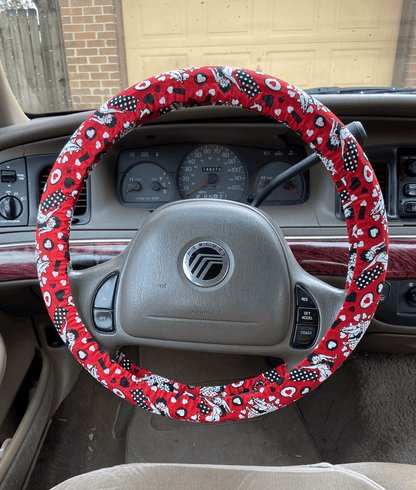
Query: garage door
[[309, 43]]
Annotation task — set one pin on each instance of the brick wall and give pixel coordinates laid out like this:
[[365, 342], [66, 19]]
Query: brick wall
[[93, 54]]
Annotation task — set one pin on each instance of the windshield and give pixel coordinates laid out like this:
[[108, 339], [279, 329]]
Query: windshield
[[65, 55]]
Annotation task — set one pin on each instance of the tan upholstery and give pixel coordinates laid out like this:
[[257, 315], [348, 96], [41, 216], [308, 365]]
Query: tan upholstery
[[323, 476]]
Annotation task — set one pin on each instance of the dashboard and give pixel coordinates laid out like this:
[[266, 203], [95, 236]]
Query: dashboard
[[221, 153]]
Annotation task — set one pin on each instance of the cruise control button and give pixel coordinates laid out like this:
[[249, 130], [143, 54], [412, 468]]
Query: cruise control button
[[303, 298], [103, 320], [308, 316], [304, 335], [105, 294]]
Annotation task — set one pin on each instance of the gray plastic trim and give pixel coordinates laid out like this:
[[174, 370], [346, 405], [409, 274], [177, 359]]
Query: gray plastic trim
[[19, 455]]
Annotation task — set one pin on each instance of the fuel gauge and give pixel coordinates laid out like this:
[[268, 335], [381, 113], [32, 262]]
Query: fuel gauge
[[290, 192], [146, 183]]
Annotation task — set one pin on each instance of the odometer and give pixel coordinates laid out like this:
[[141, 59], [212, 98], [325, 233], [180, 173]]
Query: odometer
[[212, 172]]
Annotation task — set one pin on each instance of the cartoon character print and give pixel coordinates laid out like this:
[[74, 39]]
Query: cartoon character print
[[177, 75], [117, 105], [74, 145], [227, 76], [256, 407], [211, 391], [340, 136], [321, 363], [329, 164], [159, 383], [160, 407], [376, 254], [353, 333], [42, 263], [50, 205], [376, 257], [70, 337], [378, 212], [306, 101], [92, 369], [219, 408]]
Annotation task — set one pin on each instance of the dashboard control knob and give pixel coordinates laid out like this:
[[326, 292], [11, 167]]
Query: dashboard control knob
[[411, 297], [411, 168], [10, 208]]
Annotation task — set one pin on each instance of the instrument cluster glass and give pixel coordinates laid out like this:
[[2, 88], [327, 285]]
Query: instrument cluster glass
[[150, 177], [212, 172]]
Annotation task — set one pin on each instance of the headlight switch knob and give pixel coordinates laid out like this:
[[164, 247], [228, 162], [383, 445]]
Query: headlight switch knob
[[10, 207]]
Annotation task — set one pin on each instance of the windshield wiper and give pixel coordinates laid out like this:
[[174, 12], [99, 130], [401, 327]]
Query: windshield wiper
[[361, 90]]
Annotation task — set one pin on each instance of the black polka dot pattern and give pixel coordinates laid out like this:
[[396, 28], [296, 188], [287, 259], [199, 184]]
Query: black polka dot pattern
[[59, 317], [273, 376], [247, 83], [344, 195], [303, 375], [126, 363], [351, 156], [53, 201], [204, 408], [126, 102], [368, 277], [139, 398]]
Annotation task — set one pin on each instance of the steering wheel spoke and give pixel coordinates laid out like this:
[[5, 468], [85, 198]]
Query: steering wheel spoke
[[316, 307], [94, 291]]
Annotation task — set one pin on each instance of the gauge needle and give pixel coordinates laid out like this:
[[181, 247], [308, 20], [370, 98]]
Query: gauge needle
[[290, 186], [197, 187], [156, 186], [136, 187]]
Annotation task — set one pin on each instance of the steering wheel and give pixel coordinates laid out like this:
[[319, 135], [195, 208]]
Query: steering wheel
[[207, 274]]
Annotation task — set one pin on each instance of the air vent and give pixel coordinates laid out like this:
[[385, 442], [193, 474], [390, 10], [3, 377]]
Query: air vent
[[381, 172], [82, 204]]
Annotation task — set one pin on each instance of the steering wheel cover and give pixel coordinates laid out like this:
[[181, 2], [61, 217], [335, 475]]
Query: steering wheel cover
[[361, 200]]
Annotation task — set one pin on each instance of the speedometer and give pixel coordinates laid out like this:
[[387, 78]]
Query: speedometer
[[212, 172]]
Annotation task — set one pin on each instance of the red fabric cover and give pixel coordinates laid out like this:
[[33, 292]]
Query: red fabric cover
[[361, 200]]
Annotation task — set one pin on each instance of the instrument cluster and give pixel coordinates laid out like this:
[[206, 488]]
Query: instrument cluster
[[153, 176]]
